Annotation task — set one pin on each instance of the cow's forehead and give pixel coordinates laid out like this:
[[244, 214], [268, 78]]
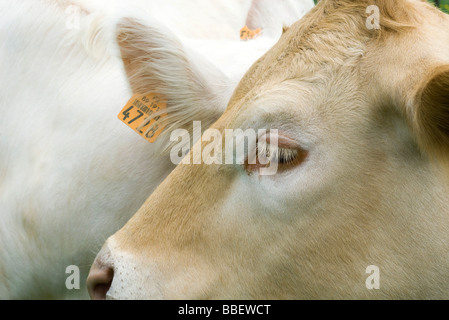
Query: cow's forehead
[[331, 35]]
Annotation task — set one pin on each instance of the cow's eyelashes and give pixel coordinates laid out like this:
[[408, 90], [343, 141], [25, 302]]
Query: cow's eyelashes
[[287, 156], [276, 157]]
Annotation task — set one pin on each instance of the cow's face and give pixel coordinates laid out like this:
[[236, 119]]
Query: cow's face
[[362, 129]]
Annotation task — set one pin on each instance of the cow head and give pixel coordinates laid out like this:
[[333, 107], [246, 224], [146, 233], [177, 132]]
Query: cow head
[[359, 96]]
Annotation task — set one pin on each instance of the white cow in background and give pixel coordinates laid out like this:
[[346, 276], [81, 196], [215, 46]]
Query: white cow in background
[[70, 173]]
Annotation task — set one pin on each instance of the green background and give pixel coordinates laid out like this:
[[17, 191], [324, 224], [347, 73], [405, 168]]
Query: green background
[[444, 5]]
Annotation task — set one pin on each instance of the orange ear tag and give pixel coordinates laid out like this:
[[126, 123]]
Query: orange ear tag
[[138, 109], [248, 34]]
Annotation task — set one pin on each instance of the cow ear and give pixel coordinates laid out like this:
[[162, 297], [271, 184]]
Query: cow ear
[[431, 118], [274, 17], [156, 61]]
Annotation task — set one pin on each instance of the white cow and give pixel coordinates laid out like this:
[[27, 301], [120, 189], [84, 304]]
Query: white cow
[[71, 173]]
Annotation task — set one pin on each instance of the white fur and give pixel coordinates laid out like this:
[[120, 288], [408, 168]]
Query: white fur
[[70, 173]]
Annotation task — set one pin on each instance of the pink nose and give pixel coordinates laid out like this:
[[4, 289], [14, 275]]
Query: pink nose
[[100, 279]]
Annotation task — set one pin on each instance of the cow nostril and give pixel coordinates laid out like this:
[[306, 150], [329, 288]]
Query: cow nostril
[[99, 280]]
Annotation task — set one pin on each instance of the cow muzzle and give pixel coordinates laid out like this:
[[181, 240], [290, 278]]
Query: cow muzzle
[[100, 276]]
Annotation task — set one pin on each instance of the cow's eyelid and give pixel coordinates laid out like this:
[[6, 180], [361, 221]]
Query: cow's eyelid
[[286, 157], [283, 155]]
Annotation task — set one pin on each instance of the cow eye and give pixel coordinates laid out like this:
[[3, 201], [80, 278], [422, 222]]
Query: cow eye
[[285, 154]]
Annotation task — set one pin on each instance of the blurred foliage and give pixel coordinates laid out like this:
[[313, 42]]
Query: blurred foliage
[[443, 4]]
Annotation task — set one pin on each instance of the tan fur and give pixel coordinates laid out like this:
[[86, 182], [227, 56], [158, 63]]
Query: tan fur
[[431, 117], [375, 105]]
